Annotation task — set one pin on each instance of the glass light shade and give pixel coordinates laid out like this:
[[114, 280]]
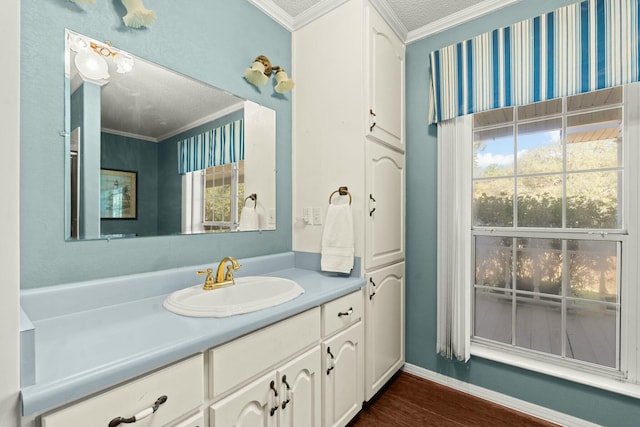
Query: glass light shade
[[285, 84], [124, 63], [255, 75], [78, 43], [91, 65]]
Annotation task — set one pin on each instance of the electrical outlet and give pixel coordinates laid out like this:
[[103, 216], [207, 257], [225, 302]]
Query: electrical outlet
[[307, 216], [317, 216]]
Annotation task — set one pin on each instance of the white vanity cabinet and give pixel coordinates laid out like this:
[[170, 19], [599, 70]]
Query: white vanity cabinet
[[182, 383], [286, 397], [343, 359], [305, 370], [349, 131]]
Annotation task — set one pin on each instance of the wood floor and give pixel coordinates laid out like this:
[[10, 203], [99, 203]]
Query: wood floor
[[411, 401]]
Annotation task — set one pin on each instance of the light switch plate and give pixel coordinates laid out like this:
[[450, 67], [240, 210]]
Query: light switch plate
[[307, 215], [317, 216]]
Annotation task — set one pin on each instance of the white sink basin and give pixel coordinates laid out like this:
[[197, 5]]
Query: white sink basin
[[248, 294]]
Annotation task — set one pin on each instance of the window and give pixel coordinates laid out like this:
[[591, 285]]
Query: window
[[538, 240], [212, 198], [548, 228], [223, 196]]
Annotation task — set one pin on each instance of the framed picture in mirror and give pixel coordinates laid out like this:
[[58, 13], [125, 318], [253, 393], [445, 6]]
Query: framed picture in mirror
[[118, 194]]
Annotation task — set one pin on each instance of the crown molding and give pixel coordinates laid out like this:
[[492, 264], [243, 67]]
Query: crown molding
[[275, 12], [315, 12], [382, 6], [458, 18]]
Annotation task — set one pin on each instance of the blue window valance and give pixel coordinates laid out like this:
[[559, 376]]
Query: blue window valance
[[578, 48], [215, 147]]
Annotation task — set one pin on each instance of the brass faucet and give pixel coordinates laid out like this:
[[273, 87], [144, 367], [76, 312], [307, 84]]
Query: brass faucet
[[221, 279]]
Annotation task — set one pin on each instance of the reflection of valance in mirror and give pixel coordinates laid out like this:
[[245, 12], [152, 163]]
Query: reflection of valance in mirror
[[215, 147]]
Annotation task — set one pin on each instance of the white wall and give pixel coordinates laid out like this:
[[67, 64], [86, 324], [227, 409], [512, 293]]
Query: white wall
[[10, 215]]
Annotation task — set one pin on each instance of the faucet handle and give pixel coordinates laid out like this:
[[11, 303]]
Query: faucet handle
[[208, 281]]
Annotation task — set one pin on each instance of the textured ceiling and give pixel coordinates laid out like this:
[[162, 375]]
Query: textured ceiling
[[412, 13]]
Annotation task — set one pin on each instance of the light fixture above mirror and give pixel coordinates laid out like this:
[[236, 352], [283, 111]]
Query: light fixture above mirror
[[261, 70], [90, 58]]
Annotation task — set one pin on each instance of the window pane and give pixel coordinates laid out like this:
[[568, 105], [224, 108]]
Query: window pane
[[493, 152], [540, 109], [493, 261], [593, 99], [492, 318], [593, 200], [493, 117], [540, 147], [591, 332], [493, 203], [540, 201], [539, 266], [593, 270], [539, 325], [594, 140]]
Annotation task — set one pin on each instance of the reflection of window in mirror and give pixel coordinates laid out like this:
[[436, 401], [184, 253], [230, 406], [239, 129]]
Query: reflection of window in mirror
[[212, 199], [223, 196]]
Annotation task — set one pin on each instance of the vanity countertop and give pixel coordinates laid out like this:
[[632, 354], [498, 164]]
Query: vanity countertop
[[100, 339]]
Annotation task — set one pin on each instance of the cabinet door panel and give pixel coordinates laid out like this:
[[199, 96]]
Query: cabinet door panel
[[386, 83], [384, 314], [300, 391], [251, 406], [343, 372], [384, 237]]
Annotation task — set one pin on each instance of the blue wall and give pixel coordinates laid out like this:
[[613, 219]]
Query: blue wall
[[134, 155], [564, 396], [211, 40]]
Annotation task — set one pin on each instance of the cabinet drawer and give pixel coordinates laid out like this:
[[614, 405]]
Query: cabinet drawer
[[342, 312], [182, 383], [243, 358]]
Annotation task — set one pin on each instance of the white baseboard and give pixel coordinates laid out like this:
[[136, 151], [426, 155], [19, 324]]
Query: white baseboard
[[499, 398]]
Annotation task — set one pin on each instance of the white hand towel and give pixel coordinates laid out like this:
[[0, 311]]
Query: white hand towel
[[249, 219], [337, 240]]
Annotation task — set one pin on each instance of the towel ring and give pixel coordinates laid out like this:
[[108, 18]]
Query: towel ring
[[253, 197], [343, 191]]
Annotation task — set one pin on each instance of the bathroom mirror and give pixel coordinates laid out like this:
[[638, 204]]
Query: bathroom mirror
[[150, 152]]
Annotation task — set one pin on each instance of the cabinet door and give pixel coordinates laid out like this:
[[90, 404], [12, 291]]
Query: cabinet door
[[384, 327], [384, 233], [254, 405], [196, 420], [386, 83], [343, 376], [299, 391]]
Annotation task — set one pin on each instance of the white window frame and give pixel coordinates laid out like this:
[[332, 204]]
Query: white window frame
[[626, 380]]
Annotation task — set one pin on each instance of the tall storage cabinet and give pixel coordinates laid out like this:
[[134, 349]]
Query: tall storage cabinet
[[349, 131]]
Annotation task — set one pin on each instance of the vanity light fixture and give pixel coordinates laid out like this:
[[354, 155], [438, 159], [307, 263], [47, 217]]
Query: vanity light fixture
[[261, 70], [90, 58]]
